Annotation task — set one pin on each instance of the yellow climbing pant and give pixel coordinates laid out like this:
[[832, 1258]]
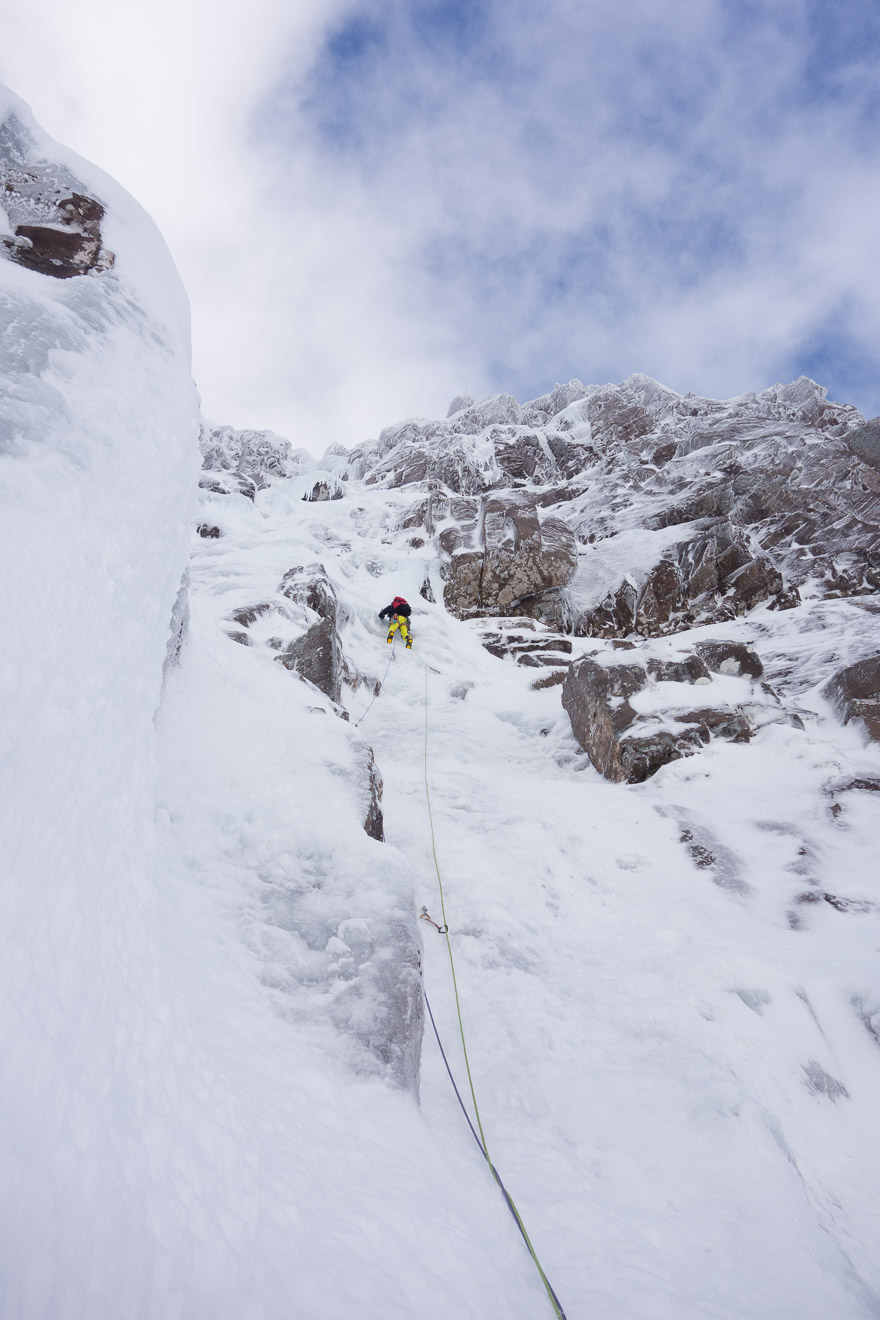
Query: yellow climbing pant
[[398, 621]]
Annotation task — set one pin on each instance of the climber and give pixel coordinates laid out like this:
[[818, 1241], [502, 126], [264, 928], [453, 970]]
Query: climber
[[398, 613]]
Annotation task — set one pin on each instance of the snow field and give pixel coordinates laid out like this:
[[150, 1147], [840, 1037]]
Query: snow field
[[638, 1034]]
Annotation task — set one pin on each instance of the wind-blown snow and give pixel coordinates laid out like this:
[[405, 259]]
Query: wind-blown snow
[[672, 1049], [97, 471], [670, 989]]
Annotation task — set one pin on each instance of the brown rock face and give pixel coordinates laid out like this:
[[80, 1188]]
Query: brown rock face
[[771, 492], [730, 658], [616, 419], [506, 555], [528, 645], [689, 670], [855, 694], [597, 702], [711, 576], [57, 228], [626, 746]]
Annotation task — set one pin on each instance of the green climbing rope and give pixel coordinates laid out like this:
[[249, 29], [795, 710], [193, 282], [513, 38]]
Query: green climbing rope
[[554, 1301]]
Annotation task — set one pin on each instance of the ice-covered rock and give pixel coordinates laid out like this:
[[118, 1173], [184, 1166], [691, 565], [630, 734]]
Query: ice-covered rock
[[324, 490], [460, 402], [53, 224], [864, 442], [763, 495], [254, 457], [632, 715], [712, 574], [317, 655], [504, 554], [855, 694]]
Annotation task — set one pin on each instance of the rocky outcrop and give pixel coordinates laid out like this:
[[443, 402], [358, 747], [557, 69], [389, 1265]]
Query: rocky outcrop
[[730, 658], [56, 225], [503, 555], [306, 605], [374, 823], [528, 644], [479, 447], [324, 490], [247, 460], [855, 694], [629, 729], [317, 655], [864, 442], [711, 576], [230, 483], [596, 700], [768, 493], [306, 597]]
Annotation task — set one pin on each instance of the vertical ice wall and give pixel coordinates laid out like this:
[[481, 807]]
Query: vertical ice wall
[[98, 426]]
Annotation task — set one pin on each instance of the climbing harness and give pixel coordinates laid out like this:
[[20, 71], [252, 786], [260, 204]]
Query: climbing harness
[[443, 928]]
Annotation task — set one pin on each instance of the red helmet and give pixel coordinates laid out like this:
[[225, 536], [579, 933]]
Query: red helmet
[[398, 600]]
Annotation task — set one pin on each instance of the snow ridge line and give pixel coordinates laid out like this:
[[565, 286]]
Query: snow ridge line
[[481, 1139]]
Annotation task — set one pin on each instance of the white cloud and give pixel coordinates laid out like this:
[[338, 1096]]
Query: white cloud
[[580, 189]]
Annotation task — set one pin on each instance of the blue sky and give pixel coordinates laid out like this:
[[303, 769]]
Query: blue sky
[[706, 119], [376, 205]]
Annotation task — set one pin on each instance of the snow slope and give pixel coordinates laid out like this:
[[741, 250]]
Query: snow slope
[[670, 990], [674, 1067]]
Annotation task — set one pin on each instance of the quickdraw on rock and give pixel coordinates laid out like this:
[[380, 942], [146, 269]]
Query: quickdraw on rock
[[424, 915]]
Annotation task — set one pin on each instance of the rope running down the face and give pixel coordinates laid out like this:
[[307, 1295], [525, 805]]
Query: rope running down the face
[[481, 1139], [379, 688]]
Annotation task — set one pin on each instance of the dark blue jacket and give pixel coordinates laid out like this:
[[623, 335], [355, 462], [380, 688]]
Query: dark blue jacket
[[404, 610]]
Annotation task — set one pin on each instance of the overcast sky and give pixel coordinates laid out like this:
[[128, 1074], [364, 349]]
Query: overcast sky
[[375, 204]]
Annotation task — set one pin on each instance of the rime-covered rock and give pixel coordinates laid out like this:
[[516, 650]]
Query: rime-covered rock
[[632, 718], [504, 554], [855, 694], [374, 823], [55, 221], [317, 655], [684, 510], [529, 644], [253, 457], [324, 490]]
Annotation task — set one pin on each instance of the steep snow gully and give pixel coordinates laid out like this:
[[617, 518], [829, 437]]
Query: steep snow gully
[[218, 1098]]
